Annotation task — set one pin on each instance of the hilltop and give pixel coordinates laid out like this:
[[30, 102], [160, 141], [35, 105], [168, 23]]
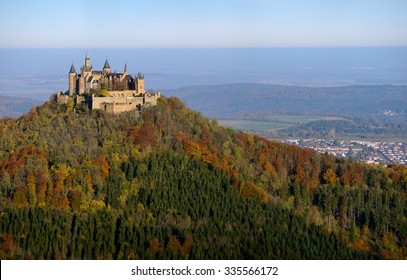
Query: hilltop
[[82, 184]]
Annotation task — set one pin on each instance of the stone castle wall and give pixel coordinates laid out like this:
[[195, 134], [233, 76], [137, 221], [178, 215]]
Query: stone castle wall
[[122, 102], [114, 108], [100, 102], [62, 99], [121, 93], [151, 99]]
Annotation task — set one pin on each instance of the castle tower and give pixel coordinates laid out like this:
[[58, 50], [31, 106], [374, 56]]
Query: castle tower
[[139, 84], [72, 77], [125, 69], [81, 82], [86, 72], [87, 61], [106, 68]]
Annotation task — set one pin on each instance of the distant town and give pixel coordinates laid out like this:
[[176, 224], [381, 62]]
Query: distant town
[[370, 152]]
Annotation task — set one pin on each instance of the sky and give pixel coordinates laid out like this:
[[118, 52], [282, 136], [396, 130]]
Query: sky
[[202, 24]]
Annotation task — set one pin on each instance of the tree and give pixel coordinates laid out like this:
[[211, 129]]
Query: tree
[[330, 177]]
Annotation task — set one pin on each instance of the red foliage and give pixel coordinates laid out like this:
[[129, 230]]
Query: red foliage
[[20, 157], [145, 135]]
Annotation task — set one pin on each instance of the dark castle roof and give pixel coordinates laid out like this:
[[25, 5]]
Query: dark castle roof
[[116, 75], [72, 69], [106, 64]]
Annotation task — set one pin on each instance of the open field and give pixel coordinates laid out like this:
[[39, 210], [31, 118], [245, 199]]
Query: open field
[[299, 119], [275, 122], [274, 128], [248, 125]]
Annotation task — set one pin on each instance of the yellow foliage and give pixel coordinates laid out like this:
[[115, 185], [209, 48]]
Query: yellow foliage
[[330, 177], [104, 93], [70, 105], [193, 149], [96, 204], [249, 189]]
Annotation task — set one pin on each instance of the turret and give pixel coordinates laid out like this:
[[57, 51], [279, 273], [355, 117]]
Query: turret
[[87, 68], [139, 83], [81, 85], [106, 68], [87, 61], [72, 80]]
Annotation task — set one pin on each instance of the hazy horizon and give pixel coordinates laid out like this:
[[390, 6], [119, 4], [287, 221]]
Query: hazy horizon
[[181, 43], [38, 73]]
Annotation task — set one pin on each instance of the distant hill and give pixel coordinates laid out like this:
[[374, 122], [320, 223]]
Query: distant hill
[[15, 106], [171, 184], [258, 101]]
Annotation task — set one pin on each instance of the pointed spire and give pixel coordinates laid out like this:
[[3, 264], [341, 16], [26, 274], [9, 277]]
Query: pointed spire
[[125, 68], [106, 64], [72, 69], [87, 61]]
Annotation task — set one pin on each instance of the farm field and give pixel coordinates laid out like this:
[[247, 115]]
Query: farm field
[[275, 122]]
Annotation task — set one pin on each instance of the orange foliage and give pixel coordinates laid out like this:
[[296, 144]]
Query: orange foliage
[[20, 157], [187, 245], [330, 177], [103, 164], [146, 134], [8, 246], [174, 245], [202, 151], [353, 175], [154, 247], [60, 199], [266, 163], [76, 196], [398, 174], [248, 189], [362, 243], [41, 186], [20, 197], [246, 141]]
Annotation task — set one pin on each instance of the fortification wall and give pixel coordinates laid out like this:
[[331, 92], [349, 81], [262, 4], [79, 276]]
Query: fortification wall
[[62, 99], [101, 102], [114, 108], [151, 99], [79, 99], [121, 93]]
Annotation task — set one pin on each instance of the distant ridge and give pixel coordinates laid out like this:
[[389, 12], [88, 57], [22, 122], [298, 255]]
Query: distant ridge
[[15, 106], [257, 101]]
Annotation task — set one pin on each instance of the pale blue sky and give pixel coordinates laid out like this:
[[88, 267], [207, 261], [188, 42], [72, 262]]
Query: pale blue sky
[[210, 23]]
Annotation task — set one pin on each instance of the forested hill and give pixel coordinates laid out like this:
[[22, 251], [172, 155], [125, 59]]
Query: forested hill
[[174, 185]]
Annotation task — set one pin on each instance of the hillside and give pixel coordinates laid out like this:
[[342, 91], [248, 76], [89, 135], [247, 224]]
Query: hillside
[[16, 107], [172, 184]]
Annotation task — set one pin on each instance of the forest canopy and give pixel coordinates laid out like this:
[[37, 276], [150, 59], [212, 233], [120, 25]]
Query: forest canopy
[[170, 184]]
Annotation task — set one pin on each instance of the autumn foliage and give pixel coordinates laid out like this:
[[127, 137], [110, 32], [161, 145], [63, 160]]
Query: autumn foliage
[[172, 184]]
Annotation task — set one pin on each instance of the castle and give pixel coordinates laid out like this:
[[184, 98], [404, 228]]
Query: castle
[[104, 90]]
